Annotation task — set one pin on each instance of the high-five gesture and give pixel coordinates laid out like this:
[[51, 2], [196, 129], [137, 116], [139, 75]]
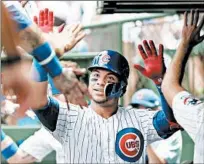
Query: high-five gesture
[[191, 29], [64, 38], [153, 61]]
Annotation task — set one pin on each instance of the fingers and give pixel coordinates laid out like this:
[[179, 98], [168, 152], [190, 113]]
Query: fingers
[[79, 71], [84, 89], [142, 52], [72, 27], [161, 51], [76, 95], [153, 49], [200, 25], [46, 16], [196, 17], [147, 48], [80, 36], [185, 18], [51, 20], [78, 29], [41, 18], [192, 17], [68, 64]]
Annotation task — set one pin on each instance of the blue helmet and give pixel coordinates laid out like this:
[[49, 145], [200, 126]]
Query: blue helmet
[[145, 97], [116, 63]]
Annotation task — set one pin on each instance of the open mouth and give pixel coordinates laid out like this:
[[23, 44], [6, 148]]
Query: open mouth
[[98, 90]]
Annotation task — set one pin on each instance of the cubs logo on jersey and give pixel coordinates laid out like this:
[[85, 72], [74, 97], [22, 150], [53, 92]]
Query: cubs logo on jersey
[[129, 144], [190, 100]]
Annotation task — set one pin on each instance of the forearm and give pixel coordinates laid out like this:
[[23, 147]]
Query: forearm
[[12, 153], [31, 38], [171, 84]]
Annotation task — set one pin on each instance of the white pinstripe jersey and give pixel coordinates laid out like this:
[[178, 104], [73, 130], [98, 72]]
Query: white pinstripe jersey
[[88, 138], [189, 112]]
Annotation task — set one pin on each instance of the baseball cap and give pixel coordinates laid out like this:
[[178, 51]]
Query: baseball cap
[[145, 97]]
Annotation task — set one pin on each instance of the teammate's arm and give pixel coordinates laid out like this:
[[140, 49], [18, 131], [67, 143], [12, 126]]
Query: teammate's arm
[[12, 153], [32, 41], [155, 69], [187, 109], [171, 85]]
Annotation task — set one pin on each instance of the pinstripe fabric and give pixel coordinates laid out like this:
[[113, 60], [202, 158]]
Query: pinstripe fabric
[[189, 112], [88, 138]]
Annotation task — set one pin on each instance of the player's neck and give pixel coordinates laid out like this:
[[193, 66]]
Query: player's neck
[[104, 112]]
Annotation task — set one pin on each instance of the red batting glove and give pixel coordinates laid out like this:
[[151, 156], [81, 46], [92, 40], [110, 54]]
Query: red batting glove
[[154, 64], [45, 21]]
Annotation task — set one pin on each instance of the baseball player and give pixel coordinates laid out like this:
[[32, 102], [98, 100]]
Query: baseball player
[[145, 98], [105, 132], [188, 110]]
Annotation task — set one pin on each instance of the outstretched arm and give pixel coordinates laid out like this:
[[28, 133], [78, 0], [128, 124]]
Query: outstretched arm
[[171, 85], [33, 41], [164, 121], [12, 153], [155, 70]]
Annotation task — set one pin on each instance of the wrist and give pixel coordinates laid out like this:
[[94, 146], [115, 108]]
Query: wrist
[[158, 81], [185, 44]]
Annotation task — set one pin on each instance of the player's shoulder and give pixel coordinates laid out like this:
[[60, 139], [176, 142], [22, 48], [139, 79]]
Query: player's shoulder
[[72, 107], [138, 112], [186, 99]]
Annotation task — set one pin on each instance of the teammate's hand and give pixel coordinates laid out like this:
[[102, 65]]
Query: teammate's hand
[[154, 63], [45, 21], [67, 38], [191, 29], [74, 90]]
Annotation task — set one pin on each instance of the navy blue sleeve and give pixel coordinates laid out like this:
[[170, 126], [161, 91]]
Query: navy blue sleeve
[[22, 20], [166, 108], [49, 114]]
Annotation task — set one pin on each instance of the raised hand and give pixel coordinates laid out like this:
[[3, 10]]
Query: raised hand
[[191, 28], [45, 21], [154, 63], [74, 90], [67, 38]]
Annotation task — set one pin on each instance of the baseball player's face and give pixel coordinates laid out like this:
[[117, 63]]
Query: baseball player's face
[[97, 82]]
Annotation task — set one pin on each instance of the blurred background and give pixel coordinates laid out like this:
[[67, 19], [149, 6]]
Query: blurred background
[[120, 26]]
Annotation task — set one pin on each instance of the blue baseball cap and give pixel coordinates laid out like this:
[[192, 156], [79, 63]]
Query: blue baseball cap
[[146, 98]]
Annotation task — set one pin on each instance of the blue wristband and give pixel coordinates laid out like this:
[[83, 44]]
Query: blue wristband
[[3, 135], [9, 151], [55, 91], [38, 73], [46, 57], [21, 19]]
